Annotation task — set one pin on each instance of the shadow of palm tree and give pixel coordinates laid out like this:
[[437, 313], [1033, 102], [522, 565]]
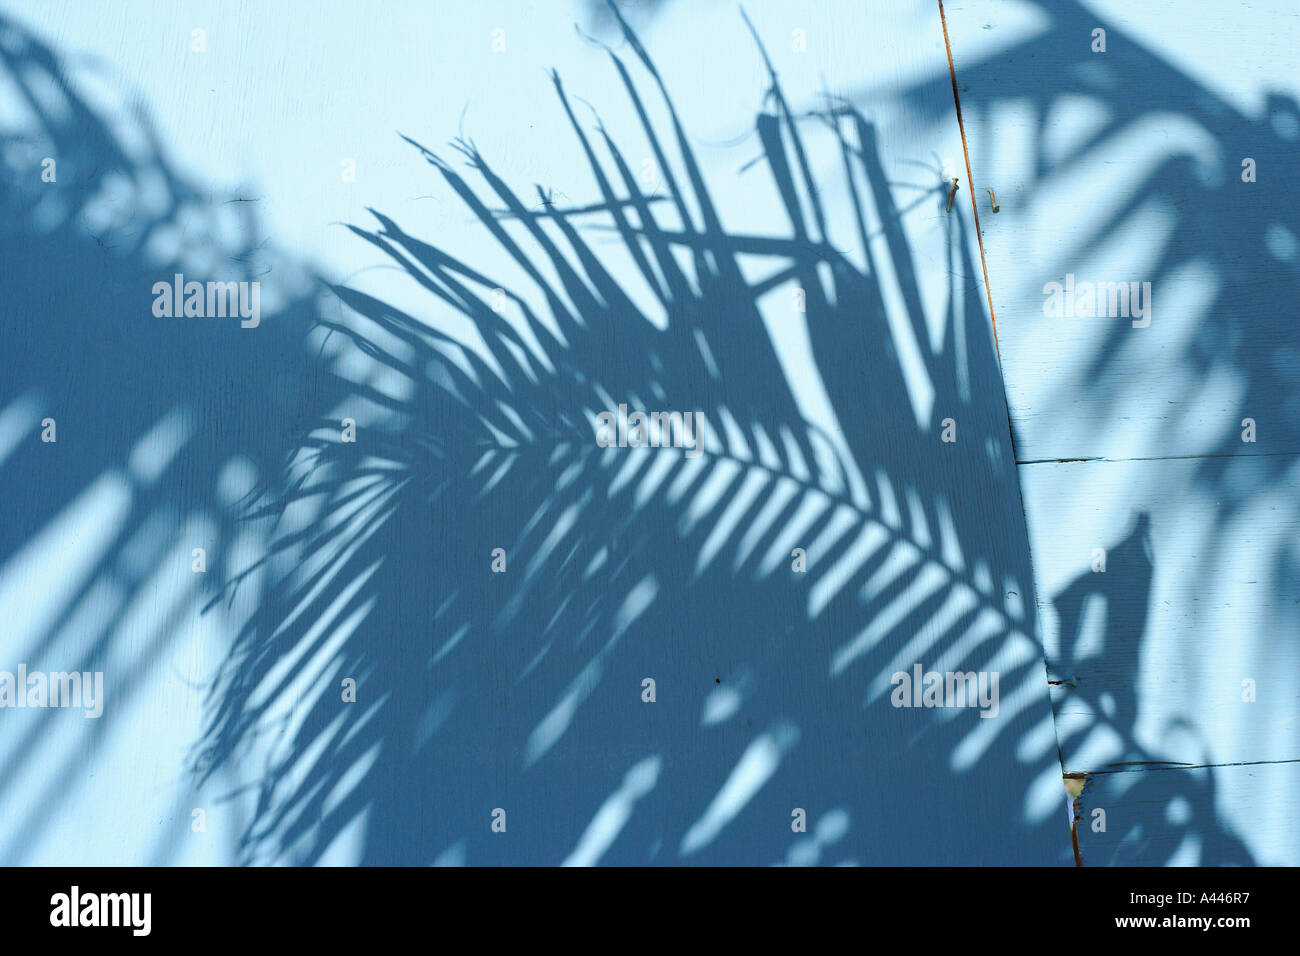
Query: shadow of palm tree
[[159, 424], [1175, 800], [1215, 225], [522, 691]]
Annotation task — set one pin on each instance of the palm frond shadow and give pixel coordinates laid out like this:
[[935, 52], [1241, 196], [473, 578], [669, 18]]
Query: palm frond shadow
[[1151, 837], [522, 690], [1216, 224], [1215, 220], [147, 463]]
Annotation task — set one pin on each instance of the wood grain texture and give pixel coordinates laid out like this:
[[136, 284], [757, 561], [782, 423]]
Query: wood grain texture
[[1176, 817], [1126, 165], [1192, 602]]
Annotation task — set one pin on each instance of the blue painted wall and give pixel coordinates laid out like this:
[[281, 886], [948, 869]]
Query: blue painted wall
[[467, 258]]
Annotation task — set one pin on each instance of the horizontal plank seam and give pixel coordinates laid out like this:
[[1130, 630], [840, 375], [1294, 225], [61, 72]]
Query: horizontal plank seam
[[1071, 461], [1180, 766]]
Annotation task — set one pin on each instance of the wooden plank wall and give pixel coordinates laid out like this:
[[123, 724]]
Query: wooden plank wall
[[1156, 452], [1163, 445]]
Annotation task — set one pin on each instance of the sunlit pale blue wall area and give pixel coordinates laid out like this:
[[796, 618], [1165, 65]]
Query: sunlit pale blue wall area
[[363, 580]]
